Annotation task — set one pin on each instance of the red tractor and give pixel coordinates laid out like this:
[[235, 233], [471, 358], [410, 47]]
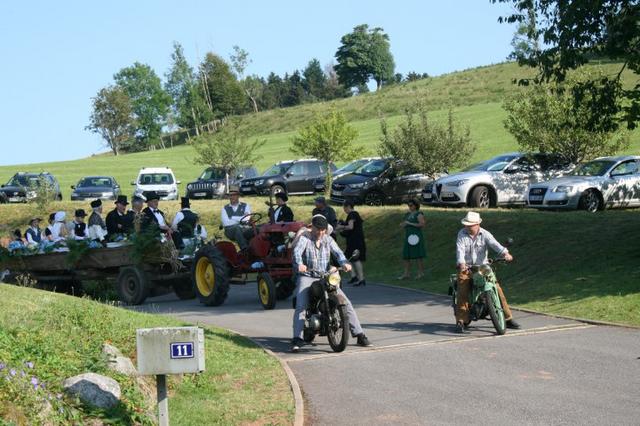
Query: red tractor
[[219, 264]]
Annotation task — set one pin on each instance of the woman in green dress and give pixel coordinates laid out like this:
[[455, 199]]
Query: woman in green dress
[[413, 224]]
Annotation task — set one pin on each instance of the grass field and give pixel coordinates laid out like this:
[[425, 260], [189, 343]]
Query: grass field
[[62, 336], [570, 263]]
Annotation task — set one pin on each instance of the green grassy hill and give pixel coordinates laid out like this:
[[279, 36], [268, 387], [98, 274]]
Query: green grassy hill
[[476, 95], [50, 337]]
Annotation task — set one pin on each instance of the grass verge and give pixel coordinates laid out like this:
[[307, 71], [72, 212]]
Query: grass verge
[[50, 337]]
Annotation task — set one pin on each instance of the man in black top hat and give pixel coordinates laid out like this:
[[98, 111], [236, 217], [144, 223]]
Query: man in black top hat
[[186, 221], [282, 213], [119, 220], [152, 215], [77, 227], [95, 218]]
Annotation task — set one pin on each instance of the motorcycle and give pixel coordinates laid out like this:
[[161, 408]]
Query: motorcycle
[[326, 312], [483, 297]]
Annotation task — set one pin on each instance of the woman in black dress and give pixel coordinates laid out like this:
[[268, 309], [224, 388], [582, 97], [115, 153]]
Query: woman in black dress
[[352, 230]]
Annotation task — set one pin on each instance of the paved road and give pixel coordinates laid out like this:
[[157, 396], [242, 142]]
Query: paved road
[[553, 371]]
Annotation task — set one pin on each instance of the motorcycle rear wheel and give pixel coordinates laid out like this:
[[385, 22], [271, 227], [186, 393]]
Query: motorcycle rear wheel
[[339, 337], [495, 312]]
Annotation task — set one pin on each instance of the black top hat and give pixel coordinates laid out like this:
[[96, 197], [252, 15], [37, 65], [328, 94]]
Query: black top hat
[[122, 199], [282, 196], [96, 203], [151, 195], [319, 221], [184, 203], [320, 200], [80, 213]]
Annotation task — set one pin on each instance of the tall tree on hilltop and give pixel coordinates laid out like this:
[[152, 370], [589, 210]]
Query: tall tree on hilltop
[[189, 105], [574, 32], [239, 62], [224, 92], [363, 54], [112, 117], [150, 103], [315, 80]]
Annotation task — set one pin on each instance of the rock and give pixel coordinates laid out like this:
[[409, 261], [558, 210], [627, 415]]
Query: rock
[[94, 389], [118, 362]]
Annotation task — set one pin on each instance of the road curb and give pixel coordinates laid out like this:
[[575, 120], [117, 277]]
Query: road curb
[[298, 419], [530, 311]]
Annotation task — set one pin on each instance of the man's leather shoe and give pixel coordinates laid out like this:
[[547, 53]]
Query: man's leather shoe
[[296, 344], [461, 329], [363, 341], [353, 280], [513, 324]]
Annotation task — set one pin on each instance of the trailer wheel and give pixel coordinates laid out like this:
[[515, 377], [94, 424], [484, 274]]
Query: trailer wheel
[[266, 291], [184, 289], [210, 276], [133, 285]]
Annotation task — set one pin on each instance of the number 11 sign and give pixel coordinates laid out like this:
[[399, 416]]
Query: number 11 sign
[[182, 350]]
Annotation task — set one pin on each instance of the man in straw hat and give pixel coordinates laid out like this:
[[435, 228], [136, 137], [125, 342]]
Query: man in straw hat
[[235, 228], [33, 233], [471, 249]]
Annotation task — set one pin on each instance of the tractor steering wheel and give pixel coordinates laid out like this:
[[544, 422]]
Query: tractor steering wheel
[[254, 218]]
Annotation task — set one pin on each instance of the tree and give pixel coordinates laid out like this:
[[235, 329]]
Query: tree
[[547, 118], [573, 32], [525, 41], [424, 146], [239, 62], [333, 88], [112, 117], [364, 53], [228, 149], [328, 138], [150, 103], [189, 106], [314, 81], [294, 92], [224, 91]]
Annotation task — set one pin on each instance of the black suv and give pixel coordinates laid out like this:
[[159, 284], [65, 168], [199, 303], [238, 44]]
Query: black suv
[[212, 182], [378, 182], [21, 187], [291, 177]]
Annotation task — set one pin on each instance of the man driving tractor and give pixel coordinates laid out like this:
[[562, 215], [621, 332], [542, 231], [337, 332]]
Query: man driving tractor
[[235, 220]]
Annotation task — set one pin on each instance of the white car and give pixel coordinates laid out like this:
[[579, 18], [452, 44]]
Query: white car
[[158, 179], [592, 186]]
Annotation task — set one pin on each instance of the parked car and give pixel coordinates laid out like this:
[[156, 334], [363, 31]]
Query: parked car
[[92, 187], [592, 186], [212, 183], [500, 181], [158, 179], [378, 182], [291, 177], [22, 187], [344, 170]]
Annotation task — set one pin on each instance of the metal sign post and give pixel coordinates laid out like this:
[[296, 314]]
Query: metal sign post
[[171, 350]]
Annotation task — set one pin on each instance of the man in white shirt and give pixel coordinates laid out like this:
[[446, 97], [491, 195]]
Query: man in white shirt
[[235, 227]]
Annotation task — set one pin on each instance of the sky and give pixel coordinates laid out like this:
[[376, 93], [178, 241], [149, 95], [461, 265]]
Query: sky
[[57, 55]]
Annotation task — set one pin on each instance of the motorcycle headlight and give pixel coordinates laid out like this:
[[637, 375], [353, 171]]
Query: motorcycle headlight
[[334, 279], [485, 270], [458, 182], [356, 185], [563, 188]]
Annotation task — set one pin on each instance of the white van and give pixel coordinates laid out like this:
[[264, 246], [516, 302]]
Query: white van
[[158, 179]]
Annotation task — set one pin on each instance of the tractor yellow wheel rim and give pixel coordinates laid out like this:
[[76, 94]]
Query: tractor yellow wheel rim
[[263, 289], [205, 277]]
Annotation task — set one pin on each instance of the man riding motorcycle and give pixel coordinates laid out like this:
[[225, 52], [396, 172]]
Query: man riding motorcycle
[[472, 246], [313, 252]]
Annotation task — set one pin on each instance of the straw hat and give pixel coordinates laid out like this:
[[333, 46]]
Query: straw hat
[[472, 218]]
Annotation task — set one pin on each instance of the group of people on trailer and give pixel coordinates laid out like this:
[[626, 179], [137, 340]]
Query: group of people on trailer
[[119, 224]]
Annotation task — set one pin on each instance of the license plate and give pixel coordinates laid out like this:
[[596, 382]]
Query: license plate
[[200, 194], [446, 195], [427, 196], [337, 193], [536, 197], [245, 189], [14, 199]]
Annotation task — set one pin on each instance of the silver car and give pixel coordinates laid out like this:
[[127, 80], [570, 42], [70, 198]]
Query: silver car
[[592, 186], [502, 180]]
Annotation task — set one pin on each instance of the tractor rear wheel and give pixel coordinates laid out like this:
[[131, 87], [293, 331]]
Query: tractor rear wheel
[[210, 276], [266, 290]]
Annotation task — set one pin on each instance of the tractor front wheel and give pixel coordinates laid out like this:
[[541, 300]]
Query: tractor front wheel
[[266, 290], [210, 276]]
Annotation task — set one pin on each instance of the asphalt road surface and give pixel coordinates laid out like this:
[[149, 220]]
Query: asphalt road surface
[[552, 371]]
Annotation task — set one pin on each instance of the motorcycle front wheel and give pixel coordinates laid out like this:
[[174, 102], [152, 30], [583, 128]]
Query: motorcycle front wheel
[[495, 312], [339, 331]]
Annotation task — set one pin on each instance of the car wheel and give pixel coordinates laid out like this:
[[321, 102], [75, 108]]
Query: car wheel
[[480, 197], [277, 189], [374, 198], [590, 201]]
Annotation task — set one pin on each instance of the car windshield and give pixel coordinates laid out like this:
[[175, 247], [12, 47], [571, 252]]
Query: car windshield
[[94, 181], [372, 168], [277, 169], [496, 164], [24, 180], [593, 168], [212, 174], [348, 168], [155, 179]]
